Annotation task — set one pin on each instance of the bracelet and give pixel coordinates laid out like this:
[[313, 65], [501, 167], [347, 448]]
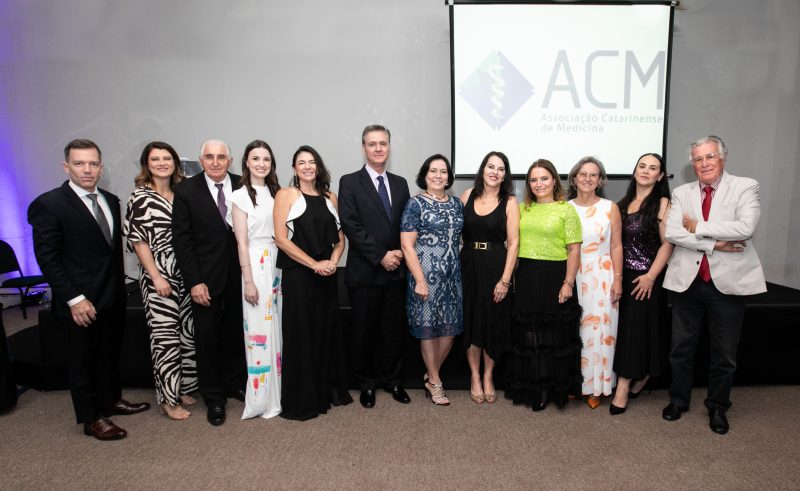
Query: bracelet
[[570, 283], [244, 266], [617, 274], [505, 283]]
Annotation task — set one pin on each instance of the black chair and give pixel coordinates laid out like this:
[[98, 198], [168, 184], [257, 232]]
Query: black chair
[[8, 264]]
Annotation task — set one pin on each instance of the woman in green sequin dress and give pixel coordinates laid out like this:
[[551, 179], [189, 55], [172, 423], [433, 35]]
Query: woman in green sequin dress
[[544, 363]]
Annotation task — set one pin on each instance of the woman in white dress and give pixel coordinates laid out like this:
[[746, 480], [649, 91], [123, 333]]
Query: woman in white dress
[[251, 217], [599, 278]]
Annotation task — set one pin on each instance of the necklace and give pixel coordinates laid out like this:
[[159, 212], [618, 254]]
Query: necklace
[[437, 198]]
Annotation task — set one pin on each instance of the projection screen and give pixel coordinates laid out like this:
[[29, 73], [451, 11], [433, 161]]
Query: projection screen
[[559, 81]]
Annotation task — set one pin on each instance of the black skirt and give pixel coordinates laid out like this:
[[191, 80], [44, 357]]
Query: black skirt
[[642, 332], [544, 361]]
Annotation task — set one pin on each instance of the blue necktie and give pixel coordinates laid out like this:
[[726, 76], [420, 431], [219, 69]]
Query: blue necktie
[[387, 205]]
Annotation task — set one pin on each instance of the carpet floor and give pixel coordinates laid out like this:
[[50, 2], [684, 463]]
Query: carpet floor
[[414, 446]]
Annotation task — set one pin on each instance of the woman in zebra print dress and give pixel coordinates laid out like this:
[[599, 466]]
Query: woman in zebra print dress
[[167, 304]]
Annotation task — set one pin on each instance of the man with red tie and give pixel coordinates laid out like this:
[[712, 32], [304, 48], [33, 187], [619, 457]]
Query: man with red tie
[[77, 240], [711, 222]]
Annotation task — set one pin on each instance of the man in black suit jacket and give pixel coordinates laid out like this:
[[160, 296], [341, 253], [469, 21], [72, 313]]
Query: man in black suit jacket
[[78, 245], [370, 204], [205, 248]]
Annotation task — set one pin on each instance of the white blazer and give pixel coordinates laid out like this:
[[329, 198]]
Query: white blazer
[[734, 214]]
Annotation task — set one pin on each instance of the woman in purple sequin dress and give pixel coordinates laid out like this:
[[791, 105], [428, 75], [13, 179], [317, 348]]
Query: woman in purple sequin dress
[[642, 337]]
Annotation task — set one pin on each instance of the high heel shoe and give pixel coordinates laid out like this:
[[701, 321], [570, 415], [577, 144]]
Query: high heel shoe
[[593, 401], [477, 398], [436, 391], [491, 397], [615, 410]]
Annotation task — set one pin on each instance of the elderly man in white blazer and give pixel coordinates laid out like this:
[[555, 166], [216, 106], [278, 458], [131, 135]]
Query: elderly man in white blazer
[[711, 222]]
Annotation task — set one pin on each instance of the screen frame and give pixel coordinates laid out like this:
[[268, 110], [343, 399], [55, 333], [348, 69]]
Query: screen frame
[[452, 3]]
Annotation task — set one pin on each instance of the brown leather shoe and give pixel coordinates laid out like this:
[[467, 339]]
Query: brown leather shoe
[[104, 429], [124, 407]]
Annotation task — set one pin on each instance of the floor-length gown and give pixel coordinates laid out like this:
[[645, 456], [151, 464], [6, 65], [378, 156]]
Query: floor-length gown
[[600, 315], [148, 219], [262, 322], [314, 375]]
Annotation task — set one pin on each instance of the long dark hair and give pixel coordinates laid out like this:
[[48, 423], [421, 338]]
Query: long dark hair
[[558, 188], [322, 183], [272, 178], [506, 187], [144, 178], [652, 203]]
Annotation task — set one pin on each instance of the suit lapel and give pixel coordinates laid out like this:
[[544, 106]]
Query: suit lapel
[[696, 201], [369, 189], [719, 195], [397, 195], [77, 203]]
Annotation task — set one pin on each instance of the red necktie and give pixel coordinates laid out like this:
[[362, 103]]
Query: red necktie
[[705, 272]]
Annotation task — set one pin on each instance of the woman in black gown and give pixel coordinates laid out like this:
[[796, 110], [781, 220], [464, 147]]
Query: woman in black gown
[[309, 236], [491, 240], [642, 337]]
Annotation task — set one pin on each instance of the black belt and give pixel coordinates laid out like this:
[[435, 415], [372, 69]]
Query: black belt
[[485, 246]]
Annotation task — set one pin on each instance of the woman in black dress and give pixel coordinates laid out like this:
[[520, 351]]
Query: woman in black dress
[[491, 240], [309, 236], [641, 335], [167, 304]]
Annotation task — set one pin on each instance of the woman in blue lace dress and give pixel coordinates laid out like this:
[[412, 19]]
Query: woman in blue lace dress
[[430, 234]]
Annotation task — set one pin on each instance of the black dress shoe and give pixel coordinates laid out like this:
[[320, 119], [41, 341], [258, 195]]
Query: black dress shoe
[[124, 407], [237, 394], [216, 415], [368, 398], [615, 410], [399, 394], [717, 421], [672, 412]]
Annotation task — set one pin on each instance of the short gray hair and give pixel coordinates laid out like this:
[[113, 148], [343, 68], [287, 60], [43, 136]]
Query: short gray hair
[[216, 142], [573, 188], [723, 150]]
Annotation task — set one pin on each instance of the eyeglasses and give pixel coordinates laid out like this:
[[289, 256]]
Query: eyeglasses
[[701, 159], [589, 175]]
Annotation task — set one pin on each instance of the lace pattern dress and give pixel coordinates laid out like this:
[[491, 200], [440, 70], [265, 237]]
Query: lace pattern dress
[[438, 226]]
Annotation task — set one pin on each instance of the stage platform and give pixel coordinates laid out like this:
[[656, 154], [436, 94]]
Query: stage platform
[[771, 333]]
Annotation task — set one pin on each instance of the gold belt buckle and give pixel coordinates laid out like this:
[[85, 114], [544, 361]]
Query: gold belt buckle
[[481, 246]]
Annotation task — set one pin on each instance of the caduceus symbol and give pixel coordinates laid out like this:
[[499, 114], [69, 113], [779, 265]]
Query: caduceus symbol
[[497, 89]]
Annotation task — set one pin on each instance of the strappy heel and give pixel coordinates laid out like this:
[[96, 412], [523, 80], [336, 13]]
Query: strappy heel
[[436, 391]]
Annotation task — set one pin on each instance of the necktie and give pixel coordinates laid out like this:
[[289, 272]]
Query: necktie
[[705, 272], [100, 217], [221, 206], [387, 205]]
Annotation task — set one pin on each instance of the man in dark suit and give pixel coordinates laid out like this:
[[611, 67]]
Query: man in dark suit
[[371, 201], [205, 248], [78, 245]]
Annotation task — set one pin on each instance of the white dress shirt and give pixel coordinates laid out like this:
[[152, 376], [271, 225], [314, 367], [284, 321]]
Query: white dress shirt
[[373, 175]]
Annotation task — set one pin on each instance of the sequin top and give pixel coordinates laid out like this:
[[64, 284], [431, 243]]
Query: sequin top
[[545, 230], [640, 242]]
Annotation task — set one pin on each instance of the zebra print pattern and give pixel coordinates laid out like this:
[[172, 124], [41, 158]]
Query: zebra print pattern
[[149, 219]]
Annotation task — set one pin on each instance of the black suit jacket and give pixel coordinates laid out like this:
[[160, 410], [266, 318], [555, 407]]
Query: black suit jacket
[[369, 231], [73, 253], [205, 246]]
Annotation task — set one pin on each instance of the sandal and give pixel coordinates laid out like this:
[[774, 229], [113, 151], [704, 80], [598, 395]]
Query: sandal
[[436, 392], [176, 412]]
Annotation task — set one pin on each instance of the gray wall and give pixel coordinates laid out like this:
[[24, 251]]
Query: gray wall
[[307, 72]]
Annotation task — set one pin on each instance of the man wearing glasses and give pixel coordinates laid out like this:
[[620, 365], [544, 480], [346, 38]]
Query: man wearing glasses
[[711, 222]]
